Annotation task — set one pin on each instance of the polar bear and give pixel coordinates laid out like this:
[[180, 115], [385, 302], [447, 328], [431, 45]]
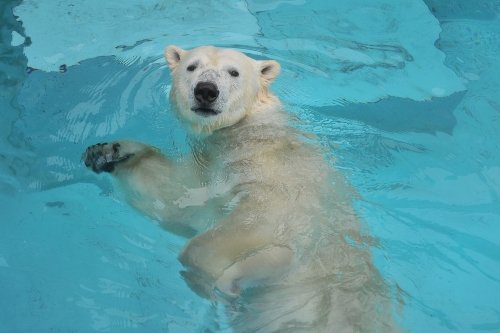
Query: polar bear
[[270, 226]]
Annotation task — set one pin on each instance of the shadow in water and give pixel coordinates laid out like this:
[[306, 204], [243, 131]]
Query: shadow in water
[[396, 114]]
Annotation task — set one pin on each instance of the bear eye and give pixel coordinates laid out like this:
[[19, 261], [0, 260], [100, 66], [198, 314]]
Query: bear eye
[[234, 73], [191, 68]]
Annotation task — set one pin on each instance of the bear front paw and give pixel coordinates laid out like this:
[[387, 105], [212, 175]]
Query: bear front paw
[[104, 157]]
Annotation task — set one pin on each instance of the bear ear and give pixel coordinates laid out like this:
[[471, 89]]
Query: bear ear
[[173, 55], [269, 70]]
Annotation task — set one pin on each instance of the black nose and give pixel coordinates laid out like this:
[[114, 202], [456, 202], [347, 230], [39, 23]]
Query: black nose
[[206, 92]]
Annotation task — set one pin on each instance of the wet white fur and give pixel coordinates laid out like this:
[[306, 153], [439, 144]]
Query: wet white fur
[[267, 219]]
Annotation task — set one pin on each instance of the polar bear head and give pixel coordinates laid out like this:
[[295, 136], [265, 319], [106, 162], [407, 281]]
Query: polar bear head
[[213, 88]]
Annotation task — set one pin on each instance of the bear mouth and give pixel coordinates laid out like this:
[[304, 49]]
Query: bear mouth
[[205, 112]]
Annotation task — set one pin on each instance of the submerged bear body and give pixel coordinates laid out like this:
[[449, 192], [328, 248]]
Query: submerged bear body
[[269, 223]]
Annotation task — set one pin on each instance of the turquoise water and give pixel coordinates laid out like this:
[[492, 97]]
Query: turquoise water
[[403, 94]]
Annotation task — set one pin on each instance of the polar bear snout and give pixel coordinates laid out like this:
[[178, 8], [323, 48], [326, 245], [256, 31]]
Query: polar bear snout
[[206, 93]]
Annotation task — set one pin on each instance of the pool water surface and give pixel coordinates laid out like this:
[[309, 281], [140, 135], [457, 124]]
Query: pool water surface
[[402, 94]]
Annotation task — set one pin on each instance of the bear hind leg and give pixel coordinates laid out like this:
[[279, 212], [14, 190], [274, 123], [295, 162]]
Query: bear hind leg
[[263, 266]]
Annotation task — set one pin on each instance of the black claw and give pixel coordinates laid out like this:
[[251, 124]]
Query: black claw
[[109, 167]]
